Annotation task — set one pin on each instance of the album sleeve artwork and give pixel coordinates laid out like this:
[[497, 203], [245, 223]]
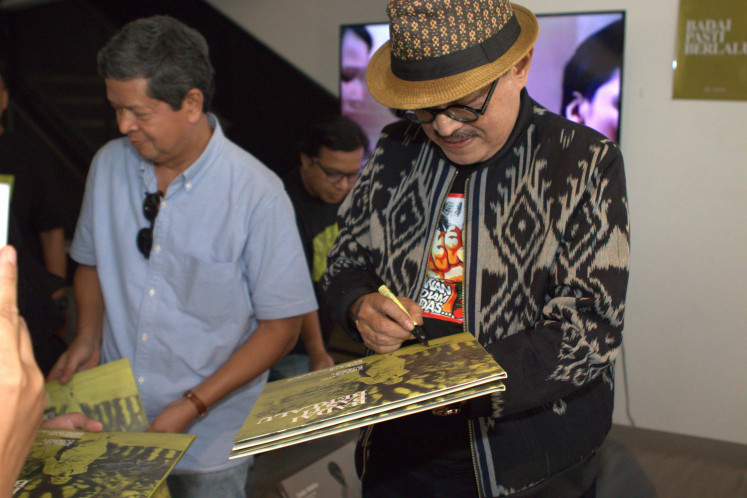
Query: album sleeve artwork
[[106, 393], [78, 463], [368, 385], [442, 296]]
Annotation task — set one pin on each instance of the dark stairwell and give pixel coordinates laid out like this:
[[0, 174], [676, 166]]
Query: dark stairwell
[[264, 103]]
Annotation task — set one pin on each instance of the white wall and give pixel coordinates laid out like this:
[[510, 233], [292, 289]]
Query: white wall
[[686, 162]]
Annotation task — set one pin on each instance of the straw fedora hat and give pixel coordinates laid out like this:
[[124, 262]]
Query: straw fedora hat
[[441, 50]]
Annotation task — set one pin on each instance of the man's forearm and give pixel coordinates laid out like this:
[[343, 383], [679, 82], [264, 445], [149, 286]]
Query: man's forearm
[[53, 251], [84, 352], [89, 304], [311, 333], [271, 340]]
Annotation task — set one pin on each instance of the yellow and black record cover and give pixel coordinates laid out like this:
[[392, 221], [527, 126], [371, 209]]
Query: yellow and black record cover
[[106, 393], [367, 386], [239, 451], [103, 464]]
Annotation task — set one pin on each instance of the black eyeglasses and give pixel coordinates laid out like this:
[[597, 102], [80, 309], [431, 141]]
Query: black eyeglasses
[[150, 209], [335, 177], [457, 112]]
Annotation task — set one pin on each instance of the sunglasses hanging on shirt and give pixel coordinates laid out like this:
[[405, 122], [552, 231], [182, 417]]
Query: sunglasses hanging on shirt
[[150, 209]]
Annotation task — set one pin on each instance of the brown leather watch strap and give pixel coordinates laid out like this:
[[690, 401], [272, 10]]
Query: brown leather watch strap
[[201, 407]]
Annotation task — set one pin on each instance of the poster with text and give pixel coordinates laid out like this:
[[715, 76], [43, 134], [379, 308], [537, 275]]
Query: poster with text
[[711, 52]]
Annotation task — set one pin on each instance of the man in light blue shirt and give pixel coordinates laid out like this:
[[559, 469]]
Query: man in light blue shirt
[[190, 262]]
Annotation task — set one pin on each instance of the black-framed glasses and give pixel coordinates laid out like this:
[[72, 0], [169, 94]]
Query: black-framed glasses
[[150, 209], [457, 112], [335, 177]]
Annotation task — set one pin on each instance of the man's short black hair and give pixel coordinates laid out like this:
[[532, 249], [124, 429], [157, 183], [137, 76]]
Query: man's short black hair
[[337, 133]]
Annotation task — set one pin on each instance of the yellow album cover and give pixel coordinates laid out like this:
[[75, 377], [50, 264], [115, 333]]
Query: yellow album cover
[[246, 449], [107, 393], [367, 386], [103, 464]]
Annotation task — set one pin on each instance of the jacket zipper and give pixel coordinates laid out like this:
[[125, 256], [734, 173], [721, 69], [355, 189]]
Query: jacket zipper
[[364, 439], [465, 239], [471, 427]]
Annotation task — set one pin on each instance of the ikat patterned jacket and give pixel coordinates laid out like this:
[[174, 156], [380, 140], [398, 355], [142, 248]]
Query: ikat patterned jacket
[[547, 243]]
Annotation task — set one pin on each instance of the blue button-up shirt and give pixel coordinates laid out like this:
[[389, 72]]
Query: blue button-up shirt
[[225, 254]]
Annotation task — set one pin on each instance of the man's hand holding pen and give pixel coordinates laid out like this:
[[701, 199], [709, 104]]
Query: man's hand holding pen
[[382, 324]]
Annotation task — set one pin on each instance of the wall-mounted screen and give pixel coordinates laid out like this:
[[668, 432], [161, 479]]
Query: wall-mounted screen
[[576, 70]]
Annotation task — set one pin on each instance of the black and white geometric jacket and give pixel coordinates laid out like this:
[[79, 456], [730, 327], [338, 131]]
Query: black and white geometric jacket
[[547, 242]]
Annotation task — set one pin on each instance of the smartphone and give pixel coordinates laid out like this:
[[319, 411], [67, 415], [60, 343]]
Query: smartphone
[[4, 211]]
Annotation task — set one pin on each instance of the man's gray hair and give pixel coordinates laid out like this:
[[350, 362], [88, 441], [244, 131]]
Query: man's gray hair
[[172, 56]]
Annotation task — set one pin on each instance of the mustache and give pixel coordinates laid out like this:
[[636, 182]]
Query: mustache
[[458, 135]]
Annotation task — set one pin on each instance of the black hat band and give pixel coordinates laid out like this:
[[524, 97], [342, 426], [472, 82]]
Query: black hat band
[[472, 57]]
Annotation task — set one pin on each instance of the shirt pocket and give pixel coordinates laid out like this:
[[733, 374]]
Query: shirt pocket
[[212, 292]]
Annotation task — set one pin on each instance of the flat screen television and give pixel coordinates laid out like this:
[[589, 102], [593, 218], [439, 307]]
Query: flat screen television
[[577, 70]]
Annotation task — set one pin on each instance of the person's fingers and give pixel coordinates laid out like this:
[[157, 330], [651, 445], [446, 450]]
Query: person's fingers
[[62, 372], [20, 341], [8, 284], [80, 421], [58, 369], [395, 313], [92, 425], [35, 375], [380, 342], [10, 363], [24, 343], [65, 367], [416, 312], [68, 373], [73, 421]]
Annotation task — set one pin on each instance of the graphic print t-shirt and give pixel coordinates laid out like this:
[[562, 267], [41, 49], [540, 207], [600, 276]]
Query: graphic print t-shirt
[[442, 297]]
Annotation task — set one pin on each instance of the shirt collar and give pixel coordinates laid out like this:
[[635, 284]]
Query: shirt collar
[[192, 174]]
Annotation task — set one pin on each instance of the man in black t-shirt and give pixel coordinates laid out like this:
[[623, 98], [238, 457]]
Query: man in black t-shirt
[[331, 156]]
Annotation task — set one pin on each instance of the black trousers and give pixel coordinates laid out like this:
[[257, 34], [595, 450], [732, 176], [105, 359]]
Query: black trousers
[[425, 455], [420, 455]]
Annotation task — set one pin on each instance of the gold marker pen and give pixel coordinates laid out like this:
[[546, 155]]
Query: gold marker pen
[[418, 331]]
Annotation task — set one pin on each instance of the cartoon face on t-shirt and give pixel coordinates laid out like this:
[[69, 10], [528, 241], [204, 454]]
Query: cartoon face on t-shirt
[[442, 293]]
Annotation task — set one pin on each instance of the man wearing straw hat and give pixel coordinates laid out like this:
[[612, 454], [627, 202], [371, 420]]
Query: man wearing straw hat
[[540, 206]]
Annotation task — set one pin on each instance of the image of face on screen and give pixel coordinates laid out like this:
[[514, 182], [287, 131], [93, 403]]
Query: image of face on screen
[[577, 68], [357, 44], [354, 54]]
